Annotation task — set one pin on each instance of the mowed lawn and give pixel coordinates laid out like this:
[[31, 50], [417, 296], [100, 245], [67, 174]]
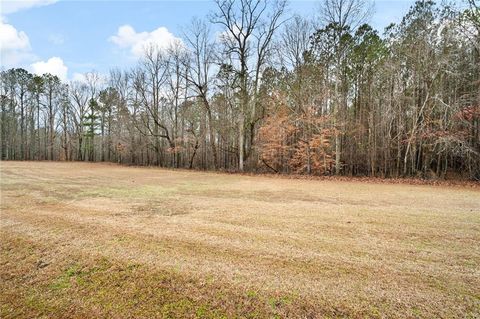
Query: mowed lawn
[[83, 240]]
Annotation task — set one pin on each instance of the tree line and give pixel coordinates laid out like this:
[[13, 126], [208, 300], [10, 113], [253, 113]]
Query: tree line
[[272, 92]]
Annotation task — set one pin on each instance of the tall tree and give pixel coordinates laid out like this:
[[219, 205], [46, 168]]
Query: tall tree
[[201, 63], [52, 92], [249, 27], [339, 17]]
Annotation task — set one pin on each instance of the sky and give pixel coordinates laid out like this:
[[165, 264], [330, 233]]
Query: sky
[[69, 38]]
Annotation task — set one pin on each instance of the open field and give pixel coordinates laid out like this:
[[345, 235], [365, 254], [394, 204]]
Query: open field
[[96, 240]]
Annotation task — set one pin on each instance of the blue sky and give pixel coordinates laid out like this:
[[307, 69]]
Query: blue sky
[[72, 37]]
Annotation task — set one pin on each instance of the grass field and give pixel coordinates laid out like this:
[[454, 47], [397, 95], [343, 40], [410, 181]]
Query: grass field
[[85, 240]]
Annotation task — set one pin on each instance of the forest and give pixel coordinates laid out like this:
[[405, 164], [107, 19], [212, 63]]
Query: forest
[[253, 88]]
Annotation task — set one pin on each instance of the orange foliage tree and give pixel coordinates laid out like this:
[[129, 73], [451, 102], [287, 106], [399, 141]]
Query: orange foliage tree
[[291, 142]]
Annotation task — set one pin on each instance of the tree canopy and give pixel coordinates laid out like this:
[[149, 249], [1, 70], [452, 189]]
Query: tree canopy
[[273, 93]]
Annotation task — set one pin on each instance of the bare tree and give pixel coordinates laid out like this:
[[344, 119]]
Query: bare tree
[[341, 16], [200, 72], [148, 81], [249, 27], [79, 100], [295, 41], [345, 13]]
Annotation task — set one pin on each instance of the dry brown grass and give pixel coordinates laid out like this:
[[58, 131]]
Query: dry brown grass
[[96, 240]]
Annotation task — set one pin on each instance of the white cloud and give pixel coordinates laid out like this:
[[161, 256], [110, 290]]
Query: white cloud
[[137, 42], [11, 6], [11, 39], [79, 77], [15, 49], [54, 66], [14, 45]]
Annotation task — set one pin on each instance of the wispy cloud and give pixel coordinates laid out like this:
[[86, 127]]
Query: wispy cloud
[[11, 6]]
